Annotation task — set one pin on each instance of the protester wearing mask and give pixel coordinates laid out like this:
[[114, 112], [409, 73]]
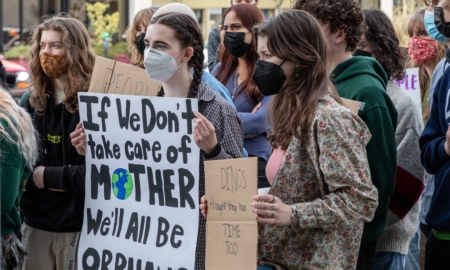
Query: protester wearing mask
[[235, 71], [215, 37], [364, 80], [135, 35], [430, 26], [139, 44], [321, 191], [18, 154], [403, 218], [61, 65], [436, 156], [425, 53], [427, 194], [174, 46]]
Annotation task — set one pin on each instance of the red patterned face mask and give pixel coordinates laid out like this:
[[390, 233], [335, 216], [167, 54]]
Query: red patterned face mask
[[53, 65], [422, 49]]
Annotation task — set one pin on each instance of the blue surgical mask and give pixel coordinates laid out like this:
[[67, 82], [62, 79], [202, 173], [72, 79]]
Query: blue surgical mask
[[430, 26]]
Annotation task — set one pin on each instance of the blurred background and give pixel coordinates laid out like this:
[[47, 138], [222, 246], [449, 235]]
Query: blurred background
[[110, 19]]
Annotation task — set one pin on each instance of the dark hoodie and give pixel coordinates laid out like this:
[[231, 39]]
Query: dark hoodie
[[45, 209], [363, 79]]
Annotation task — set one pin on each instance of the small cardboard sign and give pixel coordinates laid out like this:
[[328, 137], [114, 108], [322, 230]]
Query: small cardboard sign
[[111, 77], [410, 84], [353, 105], [231, 228]]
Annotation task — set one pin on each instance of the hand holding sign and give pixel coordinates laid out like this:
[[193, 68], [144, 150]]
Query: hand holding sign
[[204, 133], [79, 139], [271, 210], [204, 206]]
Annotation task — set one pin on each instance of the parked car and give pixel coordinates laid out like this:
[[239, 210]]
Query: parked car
[[22, 79]]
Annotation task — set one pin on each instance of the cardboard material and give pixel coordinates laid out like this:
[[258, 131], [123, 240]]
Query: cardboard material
[[113, 77], [353, 105], [231, 228]]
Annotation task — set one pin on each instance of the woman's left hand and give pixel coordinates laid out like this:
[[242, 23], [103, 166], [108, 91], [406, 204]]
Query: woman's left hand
[[271, 210], [204, 133]]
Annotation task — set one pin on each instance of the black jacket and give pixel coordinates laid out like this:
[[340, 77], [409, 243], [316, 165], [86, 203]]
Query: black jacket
[[45, 209]]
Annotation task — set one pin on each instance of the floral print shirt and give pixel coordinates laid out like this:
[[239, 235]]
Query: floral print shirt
[[326, 177]]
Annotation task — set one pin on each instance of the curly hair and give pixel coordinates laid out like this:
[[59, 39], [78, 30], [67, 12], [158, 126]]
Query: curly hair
[[343, 15], [381, 36], [187, 32], [142, 17], [79, 60]]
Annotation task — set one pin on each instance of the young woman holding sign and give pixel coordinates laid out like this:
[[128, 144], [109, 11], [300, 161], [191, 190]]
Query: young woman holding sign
[[321, 191], [53, 203], [174, 45]]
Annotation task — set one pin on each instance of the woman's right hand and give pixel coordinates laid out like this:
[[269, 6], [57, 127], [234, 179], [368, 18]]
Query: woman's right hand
[[203, 206], [79, 139]]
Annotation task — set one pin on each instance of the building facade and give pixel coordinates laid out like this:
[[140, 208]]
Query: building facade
[[24, 14]]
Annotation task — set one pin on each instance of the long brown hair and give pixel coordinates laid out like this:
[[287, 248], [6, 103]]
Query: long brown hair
[[187, 32], [417, 23], [380, 34], [79, 57], [296, 36], [249, 16], [143, 16]]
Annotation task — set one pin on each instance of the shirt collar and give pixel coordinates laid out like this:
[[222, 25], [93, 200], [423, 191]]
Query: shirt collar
[[204, 94]]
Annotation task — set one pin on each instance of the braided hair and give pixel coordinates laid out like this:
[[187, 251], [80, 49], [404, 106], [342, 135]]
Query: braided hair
[[188, 34], [6, 78]]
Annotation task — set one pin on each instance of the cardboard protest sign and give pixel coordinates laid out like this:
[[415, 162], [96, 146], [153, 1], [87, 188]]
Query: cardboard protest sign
[[231, 228], [353, 105], [410, 84], [114, 77], [142, 173]]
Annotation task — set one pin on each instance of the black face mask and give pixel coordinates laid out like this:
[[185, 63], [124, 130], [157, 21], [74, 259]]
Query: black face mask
[[362, 53], [268, 77], [442, 27], [235, 43], [140, 44]]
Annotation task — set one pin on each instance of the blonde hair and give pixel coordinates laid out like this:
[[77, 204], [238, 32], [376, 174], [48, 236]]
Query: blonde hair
[[143, 16], [79, 58], [22, 132]]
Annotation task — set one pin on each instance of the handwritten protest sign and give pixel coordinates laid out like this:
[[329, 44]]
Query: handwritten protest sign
[[231, 228], [142, 172], [410, 84], [114, 77]]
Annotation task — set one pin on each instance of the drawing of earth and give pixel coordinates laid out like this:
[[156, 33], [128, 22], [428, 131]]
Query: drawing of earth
[[122, 184]]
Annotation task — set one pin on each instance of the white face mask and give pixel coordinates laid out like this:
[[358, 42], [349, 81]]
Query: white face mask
[[160, 66]]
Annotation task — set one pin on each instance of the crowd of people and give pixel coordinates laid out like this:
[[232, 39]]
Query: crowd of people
[[339, 189]]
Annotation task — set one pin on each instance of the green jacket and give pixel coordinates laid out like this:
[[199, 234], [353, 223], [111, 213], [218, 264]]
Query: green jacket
[[13, 173], [363, 79]]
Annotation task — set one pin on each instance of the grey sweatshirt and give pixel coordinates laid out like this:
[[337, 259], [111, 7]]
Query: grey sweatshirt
[[399, 232]]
